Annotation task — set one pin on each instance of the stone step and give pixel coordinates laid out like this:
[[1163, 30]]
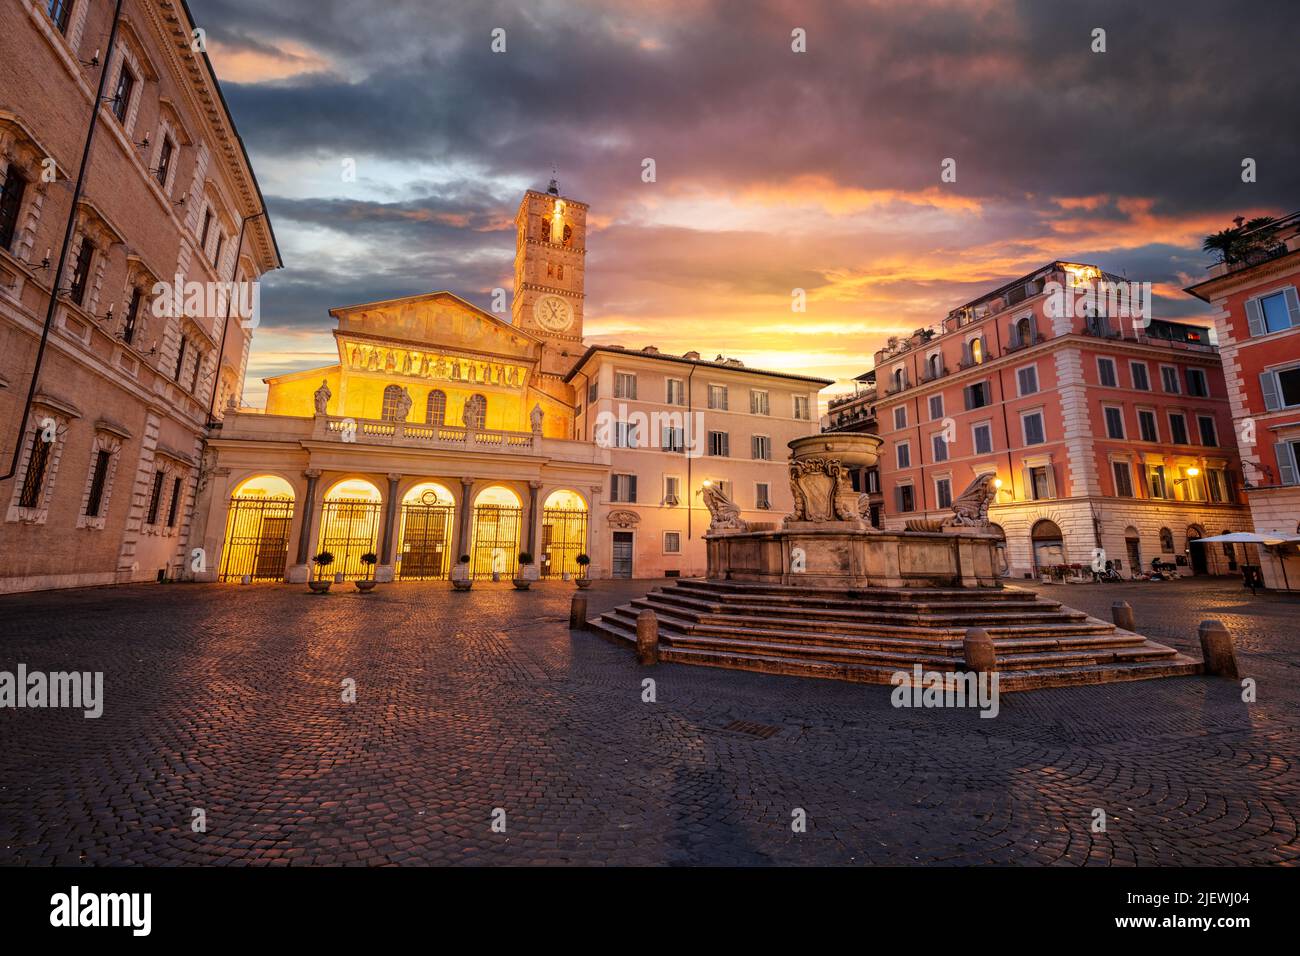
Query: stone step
[[896, 595]]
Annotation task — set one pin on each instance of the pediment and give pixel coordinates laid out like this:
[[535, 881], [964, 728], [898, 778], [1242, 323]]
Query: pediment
[[437, 321]]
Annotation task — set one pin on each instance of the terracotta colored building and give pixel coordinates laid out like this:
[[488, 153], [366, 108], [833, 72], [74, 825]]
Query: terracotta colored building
[[108, 460], [1105, 432], [856, 412], [1257, 319]]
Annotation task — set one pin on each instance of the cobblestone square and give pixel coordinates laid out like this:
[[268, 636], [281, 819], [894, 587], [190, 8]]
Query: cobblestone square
[[228, 699]]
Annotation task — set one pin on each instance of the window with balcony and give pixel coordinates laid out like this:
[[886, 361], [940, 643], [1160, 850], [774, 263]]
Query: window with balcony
[[11, 204]]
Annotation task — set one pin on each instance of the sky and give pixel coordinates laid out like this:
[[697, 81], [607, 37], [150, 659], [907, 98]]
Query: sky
[[775, 170]]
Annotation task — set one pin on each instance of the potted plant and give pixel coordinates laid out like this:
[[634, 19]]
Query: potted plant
[[527, 573], [322, 561], [460, 578], [582, 580], [367, 584]]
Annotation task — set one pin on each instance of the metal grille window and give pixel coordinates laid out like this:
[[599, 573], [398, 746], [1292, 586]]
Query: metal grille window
[[122, 97], [11, 202], [718, 397], [37, 463], [155, 498], [435, 409], [96, 497], [81, 271], [174, 508], [672, 542]]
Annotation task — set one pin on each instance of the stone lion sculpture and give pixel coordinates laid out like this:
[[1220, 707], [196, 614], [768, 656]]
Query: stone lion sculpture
[[724, 513], [970, 509]]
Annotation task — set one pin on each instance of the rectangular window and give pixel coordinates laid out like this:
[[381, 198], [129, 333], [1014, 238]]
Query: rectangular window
[[676, 392], [758, 403], [624, 385], [1033, 426], [1114, 422], [1177, 428], [180, 359], [1218, 485], [1147, 425], [164, 161], [11, 203], [1140, 379], [801, 408], [1123, 479], [900, 417], [873, 481], [1169, 379], [622, 488], [1106, 372], [207, 224], [672, 438], [1196, 383], [132, 316], [625, 435], [977, 395], [216, 253], [903, 454], [983, 439], [96, 497], [1027, 380], [1156, 481], [761, 446], [174, 507], [943, 492], [593, 392], [122, 96], [1274, 311], [672, 490], [37, 462], [1209, 435], [718, 397], [1281, 388], [936, 407], [60, 12], [906, 498], [194, 371], [1040, 485], [81, 271], [762, 496], [939, 446], [155, 497], [672, 542], [719, 444]]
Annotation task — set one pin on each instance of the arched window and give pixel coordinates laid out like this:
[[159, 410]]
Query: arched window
[[1024, 331], [898, 379], [476, 412], [933, 362], [1166, 541], [977, 351], [392, 403], [435, 410]]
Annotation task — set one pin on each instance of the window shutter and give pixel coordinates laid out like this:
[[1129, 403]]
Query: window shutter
[[967, 395], [1013, 336], [965, 354], [631, 488], [984, 347], [1033, 332], [898, 498], [1286, 463], [1051, 480], [1292, 305], [1027, 478], [1254, 317], [1272, 397]]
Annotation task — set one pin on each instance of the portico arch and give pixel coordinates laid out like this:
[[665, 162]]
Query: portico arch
[[428, 522], [1048, 544], [495, 533], [349, 527], [258, 523], [564, 533]]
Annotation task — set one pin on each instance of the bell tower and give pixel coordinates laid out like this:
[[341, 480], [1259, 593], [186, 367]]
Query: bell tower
[[550, 254]]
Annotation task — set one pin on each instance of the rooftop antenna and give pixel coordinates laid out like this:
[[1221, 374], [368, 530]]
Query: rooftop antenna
[[554, 187]]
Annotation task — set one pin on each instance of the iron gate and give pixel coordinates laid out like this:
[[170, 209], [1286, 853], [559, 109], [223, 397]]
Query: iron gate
[[496, 541], [564, 537], [257, 539], [348, 529], [426, 542]]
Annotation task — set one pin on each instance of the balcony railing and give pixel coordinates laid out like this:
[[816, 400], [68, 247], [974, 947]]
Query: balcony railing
[[375, 432]]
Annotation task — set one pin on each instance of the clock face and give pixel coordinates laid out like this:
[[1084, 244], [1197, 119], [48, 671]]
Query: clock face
[[553, 313]]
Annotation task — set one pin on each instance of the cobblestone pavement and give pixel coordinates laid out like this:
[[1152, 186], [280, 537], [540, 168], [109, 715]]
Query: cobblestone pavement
[[227, 699]]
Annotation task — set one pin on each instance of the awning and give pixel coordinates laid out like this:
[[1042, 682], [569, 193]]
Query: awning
[[1267, 538]]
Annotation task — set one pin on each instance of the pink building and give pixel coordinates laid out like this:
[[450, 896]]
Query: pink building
[[1107, 435], [1258, 326]]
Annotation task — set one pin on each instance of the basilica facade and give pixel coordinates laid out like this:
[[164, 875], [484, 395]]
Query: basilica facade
[[445, 431]]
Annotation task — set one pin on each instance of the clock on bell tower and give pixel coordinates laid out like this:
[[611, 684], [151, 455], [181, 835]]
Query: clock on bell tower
[[550, 253]]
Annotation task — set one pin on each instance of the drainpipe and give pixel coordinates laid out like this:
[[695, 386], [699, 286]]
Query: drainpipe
[[225, 326], [68, 229], [686, 450]]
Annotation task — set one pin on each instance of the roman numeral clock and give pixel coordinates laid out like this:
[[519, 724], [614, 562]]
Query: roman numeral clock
[[550, 255]]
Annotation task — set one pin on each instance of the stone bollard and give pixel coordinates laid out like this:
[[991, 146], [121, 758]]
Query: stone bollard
[[978, 651], [1220, 657], [647, 637], [578, 613], [1121, 612]]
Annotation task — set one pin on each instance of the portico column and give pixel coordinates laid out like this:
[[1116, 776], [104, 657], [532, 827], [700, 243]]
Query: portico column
[[462, 519], [300, 572], [533, 487], [384, 571]]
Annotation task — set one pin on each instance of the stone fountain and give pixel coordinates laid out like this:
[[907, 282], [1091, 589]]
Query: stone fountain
[[827, 540]]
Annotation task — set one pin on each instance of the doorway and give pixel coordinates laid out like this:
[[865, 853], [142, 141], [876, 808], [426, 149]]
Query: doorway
[[621, 567]]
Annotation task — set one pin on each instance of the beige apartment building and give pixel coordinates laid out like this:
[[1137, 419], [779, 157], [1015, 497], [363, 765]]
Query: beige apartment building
[[674, 423], [108, 459]]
